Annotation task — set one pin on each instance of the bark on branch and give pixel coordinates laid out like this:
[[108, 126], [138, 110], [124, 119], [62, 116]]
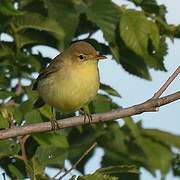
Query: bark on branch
[[147, 106]]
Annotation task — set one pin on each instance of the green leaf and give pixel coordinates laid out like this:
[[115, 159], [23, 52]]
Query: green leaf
[[158, 156], [26, 106], [163, 137], [134, 64], [32, 37], [6, 94], [151, 6], [118, 169], [7, 8], [108, 89], [58, 140], [15, 171], [6, 114], [38, 22], [97, 176], [113, 139], [18, 115], [46, 111], [4, 81], [100, 47], [106, 20], [65, 14], [102, 103], [51, 155], [3, 122], [135, 31], [33, 116], [35, 169], [9, 148]]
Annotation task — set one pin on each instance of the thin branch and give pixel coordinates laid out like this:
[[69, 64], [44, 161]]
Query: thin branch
[[101, 117], [79, 160], [60, 171], [4, 176], [22, 141], [167, 83]]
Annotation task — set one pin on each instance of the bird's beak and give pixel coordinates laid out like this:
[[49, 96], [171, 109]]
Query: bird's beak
[[99, 57]]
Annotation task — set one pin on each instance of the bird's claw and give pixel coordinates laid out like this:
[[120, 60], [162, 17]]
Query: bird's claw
[[54, 124]]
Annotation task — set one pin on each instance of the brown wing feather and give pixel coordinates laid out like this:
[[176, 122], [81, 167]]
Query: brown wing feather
[[53, 67]]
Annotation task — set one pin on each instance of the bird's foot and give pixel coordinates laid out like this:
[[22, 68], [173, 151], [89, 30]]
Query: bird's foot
[[54, 124], [87, 116]]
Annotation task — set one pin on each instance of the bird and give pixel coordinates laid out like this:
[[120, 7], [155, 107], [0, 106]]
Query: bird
[[71, 81]]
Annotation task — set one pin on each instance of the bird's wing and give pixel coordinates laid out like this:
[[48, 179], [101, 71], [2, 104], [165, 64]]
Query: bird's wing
[[38, 103], [53, 67]]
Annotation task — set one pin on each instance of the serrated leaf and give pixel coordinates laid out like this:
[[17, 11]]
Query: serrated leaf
[[135, 31]]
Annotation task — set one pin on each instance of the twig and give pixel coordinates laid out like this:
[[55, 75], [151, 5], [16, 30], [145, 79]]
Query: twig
[[22, 141], [4, 176], [167, 83], [79, 160], [60, 171]]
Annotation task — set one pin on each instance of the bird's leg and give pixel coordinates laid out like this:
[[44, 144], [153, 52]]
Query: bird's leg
[[54, 123], [87, 115]]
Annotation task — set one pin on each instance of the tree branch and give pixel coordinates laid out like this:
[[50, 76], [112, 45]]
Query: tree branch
[[146, 106], [78, 161], [167, 83]]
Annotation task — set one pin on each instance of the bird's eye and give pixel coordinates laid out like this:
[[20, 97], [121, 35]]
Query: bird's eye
[[81, 56]]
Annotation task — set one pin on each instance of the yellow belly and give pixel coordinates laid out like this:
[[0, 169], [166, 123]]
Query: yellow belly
[[71, 87]]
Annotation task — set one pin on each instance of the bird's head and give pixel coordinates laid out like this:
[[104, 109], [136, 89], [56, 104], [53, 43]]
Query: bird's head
[[82, 51]]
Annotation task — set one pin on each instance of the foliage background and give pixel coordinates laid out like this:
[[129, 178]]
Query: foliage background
[[25, 110]]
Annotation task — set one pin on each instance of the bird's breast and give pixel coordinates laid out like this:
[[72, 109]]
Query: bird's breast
[[71, 87]]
